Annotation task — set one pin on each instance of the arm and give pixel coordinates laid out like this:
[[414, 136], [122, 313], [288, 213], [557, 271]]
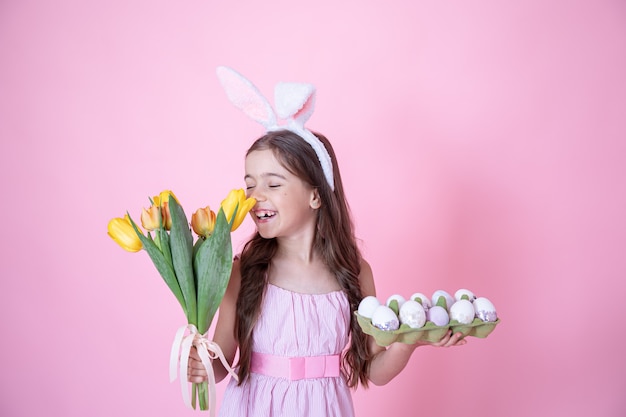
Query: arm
[[388, 362], [224, 334]]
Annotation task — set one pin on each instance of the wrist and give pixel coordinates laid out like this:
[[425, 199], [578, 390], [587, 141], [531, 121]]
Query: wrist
[[405, 347]]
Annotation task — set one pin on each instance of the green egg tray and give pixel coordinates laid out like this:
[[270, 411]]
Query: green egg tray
[[427, 333], [476, 328]]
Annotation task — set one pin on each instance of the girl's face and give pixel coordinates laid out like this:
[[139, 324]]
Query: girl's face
[[286, 206]]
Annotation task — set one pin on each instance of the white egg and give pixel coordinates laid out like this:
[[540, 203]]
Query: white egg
[[413, 314], [441, 293], [422, 299], [400, 299], [460, 293], [385, 319], [485, 310], [367, 306], [462, 311]]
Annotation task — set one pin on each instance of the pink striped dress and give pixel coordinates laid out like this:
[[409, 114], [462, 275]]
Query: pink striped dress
[[295, 325]]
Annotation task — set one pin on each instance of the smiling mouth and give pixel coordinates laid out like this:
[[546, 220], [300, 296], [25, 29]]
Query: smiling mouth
[[264, 214]]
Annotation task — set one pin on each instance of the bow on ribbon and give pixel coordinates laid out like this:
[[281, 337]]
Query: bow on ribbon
[[207, 350]]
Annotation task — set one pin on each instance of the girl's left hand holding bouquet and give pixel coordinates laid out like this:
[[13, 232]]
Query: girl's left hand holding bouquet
[[197, 272]]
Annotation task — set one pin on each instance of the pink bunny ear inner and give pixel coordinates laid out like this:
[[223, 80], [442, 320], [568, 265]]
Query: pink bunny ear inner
[[306, 111], [246, 97], [295, 101]]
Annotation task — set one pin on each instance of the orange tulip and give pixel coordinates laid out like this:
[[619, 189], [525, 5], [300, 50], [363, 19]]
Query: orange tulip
[[151, 218], [162, 201], [203, 221]]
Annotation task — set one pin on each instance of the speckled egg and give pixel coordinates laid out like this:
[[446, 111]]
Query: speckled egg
[[413, 314], [385, 319], [421, 298], [462, 311], [485, 310], [367, 306]]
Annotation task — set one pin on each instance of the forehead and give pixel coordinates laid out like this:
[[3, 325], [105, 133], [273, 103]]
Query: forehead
[[264, 162]]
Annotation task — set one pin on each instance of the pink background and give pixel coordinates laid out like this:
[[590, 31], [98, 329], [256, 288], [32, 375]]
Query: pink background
[[482, 145]]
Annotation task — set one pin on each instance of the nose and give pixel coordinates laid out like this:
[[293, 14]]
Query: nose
[[257, 194]]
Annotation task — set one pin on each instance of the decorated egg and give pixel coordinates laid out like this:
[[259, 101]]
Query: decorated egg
[[438, 315], [413, 314], [400, 299], [441, 293], [422, 299], [395, 302], [367, 306], [484, 309], [462, 311], [385, 319], [459, 295]]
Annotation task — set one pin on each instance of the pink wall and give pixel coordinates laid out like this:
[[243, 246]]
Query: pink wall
[[482, 144]]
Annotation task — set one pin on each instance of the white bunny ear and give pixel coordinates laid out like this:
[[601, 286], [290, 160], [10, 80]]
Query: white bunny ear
[[245, 96], [294, 101]]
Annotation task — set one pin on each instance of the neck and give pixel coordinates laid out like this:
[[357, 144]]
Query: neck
[[298, 249]]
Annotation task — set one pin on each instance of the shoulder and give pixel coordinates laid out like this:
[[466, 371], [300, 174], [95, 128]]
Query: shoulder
[[366, 279]]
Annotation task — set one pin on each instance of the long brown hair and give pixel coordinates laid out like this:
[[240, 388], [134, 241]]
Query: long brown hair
[[334, 240]]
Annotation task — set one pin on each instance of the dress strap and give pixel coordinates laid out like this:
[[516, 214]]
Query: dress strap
[[305, 367]]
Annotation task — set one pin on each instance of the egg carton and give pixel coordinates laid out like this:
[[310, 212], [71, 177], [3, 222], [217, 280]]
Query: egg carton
[[427, 333]]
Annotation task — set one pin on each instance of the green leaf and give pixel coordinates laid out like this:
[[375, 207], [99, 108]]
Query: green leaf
[[181, 245], [164, 238], [213, 264], [196, 246], [162, 265]]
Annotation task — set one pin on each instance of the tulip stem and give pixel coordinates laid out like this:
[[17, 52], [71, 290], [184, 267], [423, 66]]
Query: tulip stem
[[202, 395]]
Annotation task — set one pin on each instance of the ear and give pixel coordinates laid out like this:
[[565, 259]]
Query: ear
[[316, 201]]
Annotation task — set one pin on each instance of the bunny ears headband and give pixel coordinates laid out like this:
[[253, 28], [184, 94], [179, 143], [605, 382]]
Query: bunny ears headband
[[294, 106]]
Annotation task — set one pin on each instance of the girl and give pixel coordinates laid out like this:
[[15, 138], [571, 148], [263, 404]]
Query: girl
[[288, 309]]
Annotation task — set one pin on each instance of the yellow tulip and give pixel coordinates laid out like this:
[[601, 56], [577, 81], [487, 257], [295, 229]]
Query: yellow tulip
[[234, 198], [203, 221], [163, 197], [150, 218], [162, 201], [122, 232]]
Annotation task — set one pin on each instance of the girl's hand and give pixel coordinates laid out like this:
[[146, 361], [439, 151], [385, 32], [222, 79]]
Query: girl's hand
[[195, 369], [388, 363], [450, 339]]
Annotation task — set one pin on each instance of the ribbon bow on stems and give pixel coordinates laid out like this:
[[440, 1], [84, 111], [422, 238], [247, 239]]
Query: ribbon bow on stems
[[208, 350]]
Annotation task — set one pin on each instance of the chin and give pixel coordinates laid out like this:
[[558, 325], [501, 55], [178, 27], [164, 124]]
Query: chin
[[266, 235]]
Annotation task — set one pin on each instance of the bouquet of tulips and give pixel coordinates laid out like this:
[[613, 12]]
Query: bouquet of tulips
[[197, 272]]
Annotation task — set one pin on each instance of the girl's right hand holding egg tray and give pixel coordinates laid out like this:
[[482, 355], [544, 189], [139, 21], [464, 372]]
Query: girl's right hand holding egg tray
[[424, 319]]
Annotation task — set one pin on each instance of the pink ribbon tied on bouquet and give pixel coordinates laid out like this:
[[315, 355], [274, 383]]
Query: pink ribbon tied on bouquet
[[207, 350]]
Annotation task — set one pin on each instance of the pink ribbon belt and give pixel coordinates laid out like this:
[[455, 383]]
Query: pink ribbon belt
[[295, 368]]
